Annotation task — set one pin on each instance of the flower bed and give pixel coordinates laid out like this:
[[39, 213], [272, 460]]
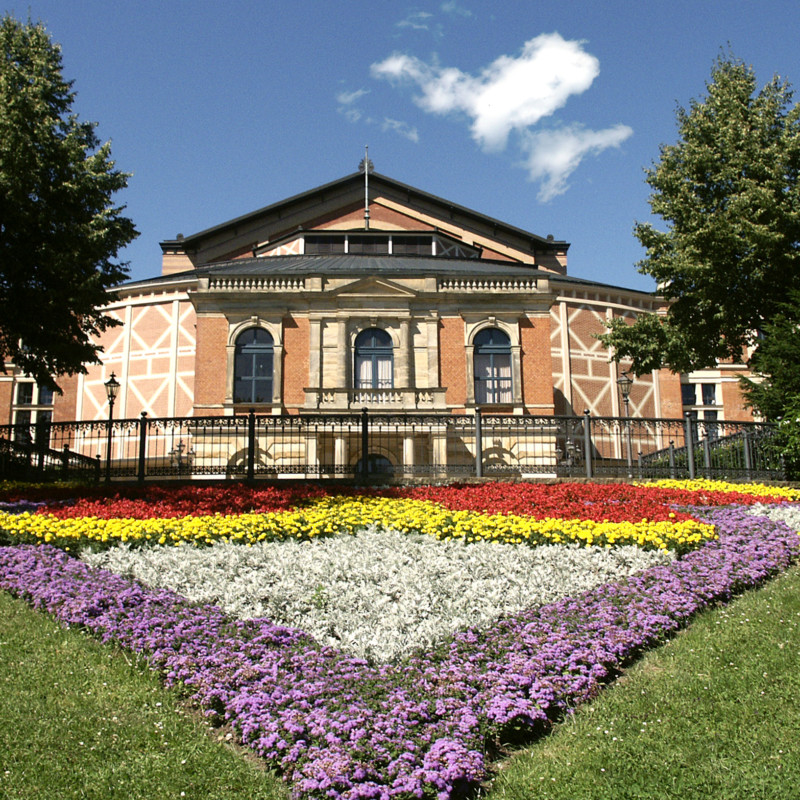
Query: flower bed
[[379, 594], [597, 502], [340, 728], [336, 515], [334, 724]]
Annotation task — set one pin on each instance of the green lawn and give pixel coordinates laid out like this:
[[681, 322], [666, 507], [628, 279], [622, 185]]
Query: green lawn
[[713, 714], [79, 720]]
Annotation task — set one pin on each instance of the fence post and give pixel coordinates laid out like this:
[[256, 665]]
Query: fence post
[[251, 445], [478, 444], [587, 443], [65, 463], [672, 459], [142, 446], [42, 442], [364, 444], [707, 455], [748, 455], [689, 434]]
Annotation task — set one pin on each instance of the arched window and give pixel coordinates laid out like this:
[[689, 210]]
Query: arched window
[[492, 366], [373, 361], [253, 367], [376, 464]]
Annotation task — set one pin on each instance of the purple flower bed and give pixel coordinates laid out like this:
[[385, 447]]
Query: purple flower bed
[[339, 728]]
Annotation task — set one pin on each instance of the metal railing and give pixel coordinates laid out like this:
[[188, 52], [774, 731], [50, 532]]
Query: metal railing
[[385, 446]]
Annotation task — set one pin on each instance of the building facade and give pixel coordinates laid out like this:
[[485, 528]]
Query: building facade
[[391, 299]]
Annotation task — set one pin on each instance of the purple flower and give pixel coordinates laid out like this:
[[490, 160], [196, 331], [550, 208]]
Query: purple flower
[[339, 728]]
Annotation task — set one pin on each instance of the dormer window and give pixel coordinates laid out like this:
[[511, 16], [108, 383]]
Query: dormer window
[[381, 243], [324, 245], [372, 245]]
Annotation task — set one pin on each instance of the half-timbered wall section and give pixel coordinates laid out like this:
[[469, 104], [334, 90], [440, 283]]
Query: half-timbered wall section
[[152, 354], [584, 376]]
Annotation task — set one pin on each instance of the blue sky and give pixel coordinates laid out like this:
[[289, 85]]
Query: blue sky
[[541, 114]]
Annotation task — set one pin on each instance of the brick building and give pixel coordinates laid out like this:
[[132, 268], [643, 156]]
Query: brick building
[[311, 306]]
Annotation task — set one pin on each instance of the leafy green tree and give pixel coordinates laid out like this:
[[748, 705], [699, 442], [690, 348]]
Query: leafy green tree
[[776, 363], [729, 191], [59, 230]]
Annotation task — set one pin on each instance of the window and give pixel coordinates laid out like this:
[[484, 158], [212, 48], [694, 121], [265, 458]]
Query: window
[[376, 245], [688, 394], [24, 394], [373, 360], [253, 367], [22, 427], [709, 391], [45, 396], [492, 365], [412, 245], [376, 464], [322, 245], [710, 424]]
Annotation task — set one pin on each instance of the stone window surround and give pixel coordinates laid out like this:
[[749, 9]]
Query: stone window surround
[[510, 326], [274, 326]]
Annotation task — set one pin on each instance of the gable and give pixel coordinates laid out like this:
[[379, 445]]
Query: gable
[[371, 287], [339, 206]]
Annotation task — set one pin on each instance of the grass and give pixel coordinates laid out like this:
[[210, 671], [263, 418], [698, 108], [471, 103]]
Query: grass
[[712, 714], [78, 719]]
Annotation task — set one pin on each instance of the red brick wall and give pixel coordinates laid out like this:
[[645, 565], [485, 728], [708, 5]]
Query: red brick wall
[[6, 395], [733, 402], [669, 385], [210, 362], [296, 347], [537, 365], [452, 360], [65, 405]]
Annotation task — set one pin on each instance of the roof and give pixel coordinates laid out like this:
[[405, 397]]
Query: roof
[[191, 241], [363, 264]]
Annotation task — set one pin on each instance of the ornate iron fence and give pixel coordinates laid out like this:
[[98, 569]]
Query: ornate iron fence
[[372, 446]]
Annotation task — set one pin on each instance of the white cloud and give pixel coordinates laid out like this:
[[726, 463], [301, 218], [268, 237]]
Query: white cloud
[[348, 98], [348, 107], [512, 93], [402, 128], [418, 20], [553, 155], [452, 7]]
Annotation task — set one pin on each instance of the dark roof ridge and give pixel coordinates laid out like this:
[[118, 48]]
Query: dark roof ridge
[[374, 176]]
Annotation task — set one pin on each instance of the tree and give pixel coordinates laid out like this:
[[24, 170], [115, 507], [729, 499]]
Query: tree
[[59, 230], [729, 191], [776, 363]]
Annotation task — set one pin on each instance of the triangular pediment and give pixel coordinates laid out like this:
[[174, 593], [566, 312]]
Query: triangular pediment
[[338, 207], [372, 287]]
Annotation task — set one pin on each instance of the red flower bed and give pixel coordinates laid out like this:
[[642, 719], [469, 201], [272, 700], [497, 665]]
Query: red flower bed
[[597, 502], [613, 502], [149, 502]]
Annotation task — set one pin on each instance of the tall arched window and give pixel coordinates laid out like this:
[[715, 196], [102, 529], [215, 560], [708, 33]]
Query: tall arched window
[[492, 366], [253, 367], [373, 361]]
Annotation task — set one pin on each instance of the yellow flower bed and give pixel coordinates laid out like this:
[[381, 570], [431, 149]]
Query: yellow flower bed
[[706, 485], [336, 515]]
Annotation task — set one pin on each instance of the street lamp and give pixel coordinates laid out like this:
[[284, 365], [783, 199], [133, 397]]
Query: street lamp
[[625, 382], [112, 390]]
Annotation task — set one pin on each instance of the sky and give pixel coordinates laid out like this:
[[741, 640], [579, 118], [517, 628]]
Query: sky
[[541, 113]]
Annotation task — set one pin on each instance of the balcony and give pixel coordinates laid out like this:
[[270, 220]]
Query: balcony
[[395, 399]]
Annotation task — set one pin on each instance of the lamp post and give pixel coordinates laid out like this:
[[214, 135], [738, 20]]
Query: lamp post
[[625, 382], [112, 390]]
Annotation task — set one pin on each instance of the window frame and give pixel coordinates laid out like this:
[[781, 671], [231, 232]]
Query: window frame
[[494, 389], [253, 350], [378, 356]]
